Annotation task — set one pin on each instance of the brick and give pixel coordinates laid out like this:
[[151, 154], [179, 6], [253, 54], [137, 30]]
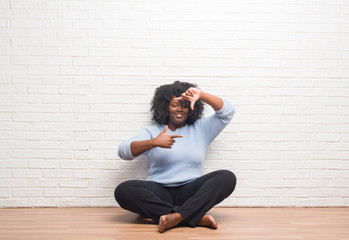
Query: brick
[[60, 173], [37, 202], [57, 99], [27, 135], [27, 173], [24, 192], [74, 202], [104, 127], [87, 174], [14, 202], [89, 136], [21, 4], [68, 70], [76, 183], [105, 201], [91, 193], [5, 193], [89, 118], [73, 108], [56, 192], [74, 145], [43, 89], [72, 164], [28, 117], [40, 183], [74, 127], [56, 61], [57, 155], [41, 52], [43, 108], [74, 52]]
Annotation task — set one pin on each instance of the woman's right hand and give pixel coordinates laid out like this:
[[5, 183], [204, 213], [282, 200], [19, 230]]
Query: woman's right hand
[[164, 140]]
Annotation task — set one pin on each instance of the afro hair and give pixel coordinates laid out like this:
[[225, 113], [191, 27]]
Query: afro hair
[[161, 101]]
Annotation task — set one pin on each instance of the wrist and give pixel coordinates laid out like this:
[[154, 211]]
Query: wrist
[[153, 143], [202, 95]]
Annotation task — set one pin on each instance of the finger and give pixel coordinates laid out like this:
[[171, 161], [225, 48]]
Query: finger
[[165, 130], [178, 98], [192, 105], [176, 136], [185, 95], [188, 94], [191, 91]]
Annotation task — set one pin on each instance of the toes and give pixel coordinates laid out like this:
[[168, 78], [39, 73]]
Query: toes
[[162, 224], [208, 221]]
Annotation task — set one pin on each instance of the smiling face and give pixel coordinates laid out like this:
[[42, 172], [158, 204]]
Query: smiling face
[[178, 112]]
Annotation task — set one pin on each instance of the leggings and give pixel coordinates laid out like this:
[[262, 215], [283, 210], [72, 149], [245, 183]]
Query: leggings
[[192, 200]]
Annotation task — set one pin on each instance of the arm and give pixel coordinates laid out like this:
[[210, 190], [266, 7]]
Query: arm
[[214, 124], [162, 140], [139, 147], [215, 102], [134, 147]]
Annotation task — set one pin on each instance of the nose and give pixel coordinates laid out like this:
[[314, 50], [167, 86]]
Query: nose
[[179, 107]]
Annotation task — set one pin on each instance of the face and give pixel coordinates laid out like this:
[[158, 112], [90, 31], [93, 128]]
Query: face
[[178, 112]]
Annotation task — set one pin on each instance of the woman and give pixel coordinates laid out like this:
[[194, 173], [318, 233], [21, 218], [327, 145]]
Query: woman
[[175, 191]]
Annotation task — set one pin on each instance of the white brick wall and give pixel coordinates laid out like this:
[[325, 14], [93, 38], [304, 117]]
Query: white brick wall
[[77, 77]]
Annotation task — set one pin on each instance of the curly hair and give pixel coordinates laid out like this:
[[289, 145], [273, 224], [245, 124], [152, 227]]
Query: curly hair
[[161, 101]]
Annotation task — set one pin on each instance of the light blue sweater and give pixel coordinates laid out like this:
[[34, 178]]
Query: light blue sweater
[[184, 161]]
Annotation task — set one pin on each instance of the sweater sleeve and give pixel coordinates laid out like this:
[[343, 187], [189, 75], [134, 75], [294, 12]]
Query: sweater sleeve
[[124, 149], [215, 123]]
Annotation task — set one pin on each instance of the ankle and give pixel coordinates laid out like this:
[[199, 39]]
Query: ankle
[[177, 216]]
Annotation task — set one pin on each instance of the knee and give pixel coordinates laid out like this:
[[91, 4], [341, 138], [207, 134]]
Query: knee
[[121, 192], [228, 180]]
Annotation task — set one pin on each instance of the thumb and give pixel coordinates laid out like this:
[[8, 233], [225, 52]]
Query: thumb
[[165, 130]]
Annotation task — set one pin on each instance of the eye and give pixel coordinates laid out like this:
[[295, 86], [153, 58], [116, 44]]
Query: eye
[[185, 103]]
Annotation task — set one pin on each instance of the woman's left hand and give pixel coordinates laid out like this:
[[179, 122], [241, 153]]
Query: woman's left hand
[[192, 94]]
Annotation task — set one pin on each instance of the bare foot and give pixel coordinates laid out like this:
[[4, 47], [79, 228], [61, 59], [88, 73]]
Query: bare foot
[[208, 221], [169, 221]]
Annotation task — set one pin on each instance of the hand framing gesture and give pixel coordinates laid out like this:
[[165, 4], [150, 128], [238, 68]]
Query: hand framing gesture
[[192, 94]]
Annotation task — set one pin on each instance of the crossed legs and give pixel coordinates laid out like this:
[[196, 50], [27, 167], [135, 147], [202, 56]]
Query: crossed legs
[[169, 206]]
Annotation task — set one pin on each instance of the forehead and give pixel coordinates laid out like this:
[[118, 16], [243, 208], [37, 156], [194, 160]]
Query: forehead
[[176, 101]]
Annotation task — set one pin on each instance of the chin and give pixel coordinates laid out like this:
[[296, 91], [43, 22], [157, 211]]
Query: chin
[[178, 123]]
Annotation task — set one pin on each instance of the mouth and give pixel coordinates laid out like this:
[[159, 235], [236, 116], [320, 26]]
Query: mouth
[[179, 115]]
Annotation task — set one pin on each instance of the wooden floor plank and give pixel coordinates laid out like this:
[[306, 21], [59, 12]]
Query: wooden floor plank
[[116, 223]]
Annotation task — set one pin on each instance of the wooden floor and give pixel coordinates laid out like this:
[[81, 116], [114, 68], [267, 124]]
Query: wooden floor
[[116, 223]]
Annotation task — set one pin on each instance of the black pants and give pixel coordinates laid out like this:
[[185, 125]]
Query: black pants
[[192, 200]]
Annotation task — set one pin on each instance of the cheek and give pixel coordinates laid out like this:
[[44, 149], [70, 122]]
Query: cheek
[[170, 110]]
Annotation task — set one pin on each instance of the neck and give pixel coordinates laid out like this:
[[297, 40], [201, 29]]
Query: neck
[[173, 126]]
